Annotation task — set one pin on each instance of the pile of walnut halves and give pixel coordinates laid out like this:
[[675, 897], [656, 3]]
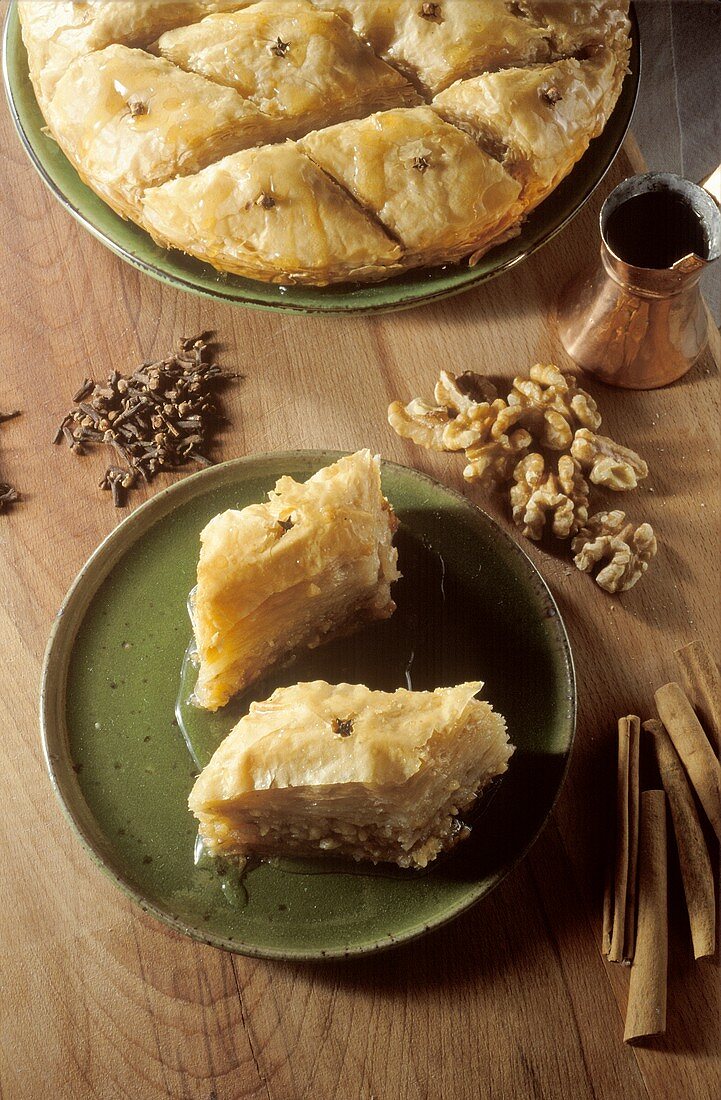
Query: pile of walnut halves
[[507, 441]]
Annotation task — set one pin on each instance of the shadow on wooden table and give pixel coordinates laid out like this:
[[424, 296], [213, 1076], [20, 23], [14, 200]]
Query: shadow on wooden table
[[543, 920], [532, 924]]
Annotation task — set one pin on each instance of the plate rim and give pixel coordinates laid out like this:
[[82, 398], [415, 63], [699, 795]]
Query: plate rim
[[407, 298], [56, 661]]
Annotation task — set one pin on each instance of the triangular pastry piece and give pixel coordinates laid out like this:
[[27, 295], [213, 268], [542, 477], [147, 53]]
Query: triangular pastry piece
[[271, 214], [345, 771], [428, 182], [128, 121], [303, 67], [315, 561], [540, 120], [437, 43], [56, 32]]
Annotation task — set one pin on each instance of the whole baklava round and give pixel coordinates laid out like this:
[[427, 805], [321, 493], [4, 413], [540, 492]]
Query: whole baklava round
[[323, 141]]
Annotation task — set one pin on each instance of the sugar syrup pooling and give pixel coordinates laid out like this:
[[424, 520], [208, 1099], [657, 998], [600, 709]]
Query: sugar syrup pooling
[[231, 873], [431, 640]]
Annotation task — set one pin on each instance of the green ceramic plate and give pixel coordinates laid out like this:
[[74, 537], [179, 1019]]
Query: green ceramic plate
[[185, 273], [470, 606]]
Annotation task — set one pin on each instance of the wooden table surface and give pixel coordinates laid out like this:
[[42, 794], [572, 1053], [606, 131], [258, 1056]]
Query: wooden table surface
[[512, 1000]]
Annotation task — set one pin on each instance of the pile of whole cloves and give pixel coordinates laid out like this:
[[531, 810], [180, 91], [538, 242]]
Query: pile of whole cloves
[[158, 418]]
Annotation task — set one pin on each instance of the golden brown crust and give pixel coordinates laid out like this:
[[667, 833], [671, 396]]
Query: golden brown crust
[[538, 120], [302, 67], [250, 213], [151, 122], [315, 561], [56, 32], [339, 768], [431, 185]]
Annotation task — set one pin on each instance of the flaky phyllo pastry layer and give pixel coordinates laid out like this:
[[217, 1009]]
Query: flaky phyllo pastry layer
[[318, 141], [314, 562], [343, 770]]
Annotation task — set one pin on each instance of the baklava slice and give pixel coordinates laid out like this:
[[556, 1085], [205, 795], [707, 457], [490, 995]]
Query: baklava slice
[[303, 67], [271, 214], [315, 561], [428, 183], [346, 771], [539, 120], [128, 121], [436, 43], [56, 32]]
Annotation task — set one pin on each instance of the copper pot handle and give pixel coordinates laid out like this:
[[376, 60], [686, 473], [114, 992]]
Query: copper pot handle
[[712, 184]]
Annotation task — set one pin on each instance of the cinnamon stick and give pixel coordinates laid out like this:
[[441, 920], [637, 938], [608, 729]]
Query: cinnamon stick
[[646, 1010], [634, 795], [694, 748], [696, 872], [607, 907], [702, 683], [626, 835]]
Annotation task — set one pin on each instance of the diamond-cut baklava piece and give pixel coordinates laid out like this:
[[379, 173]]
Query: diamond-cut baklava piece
[[271, 213], [436, 43], [343, 770], [129, 121], [56, 32], [303, 67], [428, 183], [538, 120], [315, 561]]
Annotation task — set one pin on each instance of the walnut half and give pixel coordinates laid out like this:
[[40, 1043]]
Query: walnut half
[[607, 462], [420, 422], [467, 417], [494, 458], [539, 493], [626, 550], [456, 420], [553, 406]]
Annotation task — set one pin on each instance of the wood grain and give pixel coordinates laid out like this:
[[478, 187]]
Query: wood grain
[[513, 999]]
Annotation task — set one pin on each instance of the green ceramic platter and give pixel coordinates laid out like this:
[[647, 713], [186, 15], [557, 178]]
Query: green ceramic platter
[[470, 606], [170, 266]]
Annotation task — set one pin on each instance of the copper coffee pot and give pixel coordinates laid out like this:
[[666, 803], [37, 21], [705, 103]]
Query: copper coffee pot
[[640, 326]]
